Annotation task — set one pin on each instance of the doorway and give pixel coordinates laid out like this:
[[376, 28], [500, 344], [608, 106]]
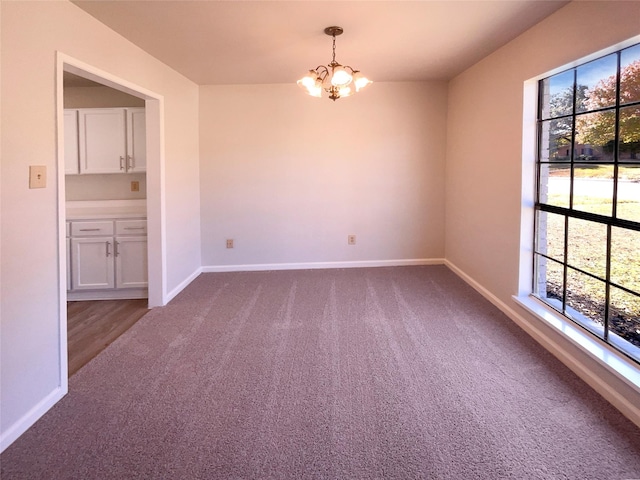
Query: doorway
[[127, 311]]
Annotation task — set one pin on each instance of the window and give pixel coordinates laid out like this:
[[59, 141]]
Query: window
[[587, 211]]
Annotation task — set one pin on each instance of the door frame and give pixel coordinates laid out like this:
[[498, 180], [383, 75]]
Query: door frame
[[156, 221]]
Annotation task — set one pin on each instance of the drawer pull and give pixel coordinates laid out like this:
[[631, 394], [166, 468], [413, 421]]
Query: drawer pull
[[134, 228], [89, 229], [116, 248], [108, 248]]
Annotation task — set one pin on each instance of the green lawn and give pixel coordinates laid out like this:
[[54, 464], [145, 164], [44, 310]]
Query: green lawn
[[587, 251]]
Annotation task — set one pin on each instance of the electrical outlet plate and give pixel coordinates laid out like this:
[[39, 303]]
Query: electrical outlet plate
[[351, 239], [135, 186], [229, 242], [37, 176]]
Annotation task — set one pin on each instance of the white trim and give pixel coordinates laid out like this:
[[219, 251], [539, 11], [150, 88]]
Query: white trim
[[11, 434], [598, 382], [63, 366], [322, 265], [184, 284]]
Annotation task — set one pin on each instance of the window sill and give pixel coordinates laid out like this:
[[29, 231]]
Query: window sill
[[612, 360]]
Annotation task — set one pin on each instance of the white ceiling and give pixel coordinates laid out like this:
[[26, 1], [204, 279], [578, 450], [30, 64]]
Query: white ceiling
[[251, 42]]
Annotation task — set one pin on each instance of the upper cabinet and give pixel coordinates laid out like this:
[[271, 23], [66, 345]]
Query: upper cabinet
[[109, 140], [71, 164], [136, 140], [103, 140]]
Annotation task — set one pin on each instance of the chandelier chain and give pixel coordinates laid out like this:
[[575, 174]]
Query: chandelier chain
[[334, 49]]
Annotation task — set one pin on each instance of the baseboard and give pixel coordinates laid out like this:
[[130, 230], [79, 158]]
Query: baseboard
[[116, 294], [597, 382], [173, 293], [32, 416], [322, 265]]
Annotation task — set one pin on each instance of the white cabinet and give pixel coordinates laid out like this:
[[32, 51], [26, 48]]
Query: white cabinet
[[102, 136], [108, 259], [109, 140], [131, 262], [71, 158], [92, 263], [136, 160]]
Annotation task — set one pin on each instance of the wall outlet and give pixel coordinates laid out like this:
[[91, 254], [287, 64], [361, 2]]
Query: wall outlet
[[135, 186], [229, 242], [37, 176], [351, 239]]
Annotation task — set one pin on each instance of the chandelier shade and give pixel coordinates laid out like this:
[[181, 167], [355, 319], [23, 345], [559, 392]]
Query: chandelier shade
[[335, 79]]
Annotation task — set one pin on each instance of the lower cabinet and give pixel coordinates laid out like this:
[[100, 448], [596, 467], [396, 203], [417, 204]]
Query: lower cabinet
[[108, 259]]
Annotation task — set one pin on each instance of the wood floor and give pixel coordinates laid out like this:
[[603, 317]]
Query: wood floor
[[94, 325]]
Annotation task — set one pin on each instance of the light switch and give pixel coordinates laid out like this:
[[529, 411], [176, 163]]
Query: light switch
[[37, 176]]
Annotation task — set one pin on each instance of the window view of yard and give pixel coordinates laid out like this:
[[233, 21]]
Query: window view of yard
[[588, 209], [587, 251]]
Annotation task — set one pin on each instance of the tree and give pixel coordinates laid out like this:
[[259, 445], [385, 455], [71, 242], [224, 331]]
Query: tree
[[561, 105], [598, 129]]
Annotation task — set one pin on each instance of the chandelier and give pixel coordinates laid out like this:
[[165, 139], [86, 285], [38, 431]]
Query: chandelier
[[335, 79]]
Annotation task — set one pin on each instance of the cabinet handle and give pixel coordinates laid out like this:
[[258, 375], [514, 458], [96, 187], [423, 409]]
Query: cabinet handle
[[89, 229], [130, 164], [121, 163], [116, 248], [134, 228], [108, 248]]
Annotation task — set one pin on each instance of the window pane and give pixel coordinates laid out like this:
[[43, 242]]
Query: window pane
[[549, 282], [550, 241], [557, 95], [625, 258], [587, 246], [597, 84], [554, 184], [586, 301], [555, 140], [629, 141], [593, 188], [630, 75], [624, 319], [595, 137], [628, 207]]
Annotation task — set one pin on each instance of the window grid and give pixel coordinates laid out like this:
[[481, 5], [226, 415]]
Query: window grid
[[543, 206]]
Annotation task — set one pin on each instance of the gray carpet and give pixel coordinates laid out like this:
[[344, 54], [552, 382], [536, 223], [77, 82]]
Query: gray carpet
[[351, 374]]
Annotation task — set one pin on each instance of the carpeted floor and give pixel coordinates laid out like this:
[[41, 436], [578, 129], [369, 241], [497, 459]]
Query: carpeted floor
[[348, 374]]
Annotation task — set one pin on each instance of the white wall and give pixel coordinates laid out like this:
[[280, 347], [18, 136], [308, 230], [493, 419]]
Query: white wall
[[485, 154], [31, 33], [289, 176]]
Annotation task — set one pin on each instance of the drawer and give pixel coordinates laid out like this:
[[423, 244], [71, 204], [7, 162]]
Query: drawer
[[90, 229], [131, 227]]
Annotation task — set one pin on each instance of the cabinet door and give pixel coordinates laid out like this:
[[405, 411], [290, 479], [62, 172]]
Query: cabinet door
[[92, 263], [71, 159], [131, 262], [102, 140], [136, 140]]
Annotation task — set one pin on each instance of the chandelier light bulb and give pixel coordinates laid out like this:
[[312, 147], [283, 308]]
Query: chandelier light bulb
[[309, 80], [360, 81], [341, 77]]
